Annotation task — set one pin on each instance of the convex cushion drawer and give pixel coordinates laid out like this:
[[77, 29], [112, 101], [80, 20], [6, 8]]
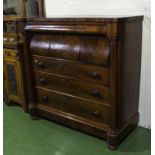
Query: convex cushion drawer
[[94, 92], [90, 49], [73, 69]]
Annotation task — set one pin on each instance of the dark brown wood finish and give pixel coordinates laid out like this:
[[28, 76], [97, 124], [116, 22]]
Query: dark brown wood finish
[[56, 46], [74, 69], [94, 92], [74, 105], [85, 73]]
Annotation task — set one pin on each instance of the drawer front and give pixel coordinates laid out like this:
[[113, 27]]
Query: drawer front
[[9, 39], [9, 52], [57, 46], [81, 108], [93, 49], [72, 69], [74, 87]]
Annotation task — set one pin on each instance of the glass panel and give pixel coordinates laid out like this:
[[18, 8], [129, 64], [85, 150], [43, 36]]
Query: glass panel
[[12, 81], [32, 8], [9, 26], [11, 7]]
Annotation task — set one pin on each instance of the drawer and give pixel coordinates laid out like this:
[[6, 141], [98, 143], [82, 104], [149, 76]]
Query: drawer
[[9, 39], [75, 106], [73, 69], [9, 52], [94, 92], [93, 49], [58, 46]]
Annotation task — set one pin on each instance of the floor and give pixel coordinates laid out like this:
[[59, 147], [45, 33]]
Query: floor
[[22, 136]]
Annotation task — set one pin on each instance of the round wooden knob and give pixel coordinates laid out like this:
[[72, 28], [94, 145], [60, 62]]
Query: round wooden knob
[[43, 80], [95, 93], [45, 98], [96, 113], [41, 65], [96, 76]]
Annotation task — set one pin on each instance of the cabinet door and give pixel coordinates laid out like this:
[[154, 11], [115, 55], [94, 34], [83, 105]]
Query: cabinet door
[[13, 80]]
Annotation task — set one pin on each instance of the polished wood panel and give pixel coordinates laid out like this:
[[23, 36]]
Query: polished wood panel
[[79, 123], [130, 68], [68, 28], [86, 21], [95, 49], [89, 49], [40, 44], [73, 69], [103, 26], [64, 46], [74, 87], [81, 108]]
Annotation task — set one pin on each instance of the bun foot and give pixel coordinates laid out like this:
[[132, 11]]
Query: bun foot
[[112, 147], [33, 112], [34, 117]]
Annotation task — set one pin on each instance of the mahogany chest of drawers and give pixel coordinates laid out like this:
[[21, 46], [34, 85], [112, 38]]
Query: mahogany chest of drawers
[[85, 73]]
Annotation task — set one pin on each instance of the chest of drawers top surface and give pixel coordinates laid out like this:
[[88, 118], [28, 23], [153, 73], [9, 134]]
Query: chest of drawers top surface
[[84, 72]]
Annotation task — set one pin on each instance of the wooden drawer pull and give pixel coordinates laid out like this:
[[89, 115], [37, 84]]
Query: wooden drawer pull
[[95, 75], [45, 98], [41, 64], [43, 80], [95, 93], [96, 113]]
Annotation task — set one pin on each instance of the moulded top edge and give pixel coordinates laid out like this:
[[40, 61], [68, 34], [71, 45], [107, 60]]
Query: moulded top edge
[[87, 19]]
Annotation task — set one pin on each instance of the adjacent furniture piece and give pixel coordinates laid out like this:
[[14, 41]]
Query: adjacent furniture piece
[[13, 58], [15, 13], [85, 73], [24, 8]]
